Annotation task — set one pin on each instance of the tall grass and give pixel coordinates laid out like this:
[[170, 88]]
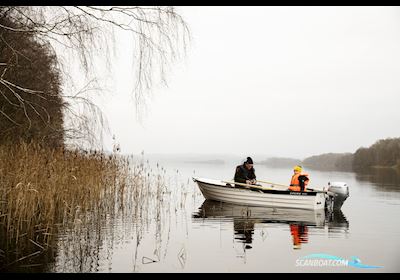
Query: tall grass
[[44, 189], [59, 209], [142, 203]]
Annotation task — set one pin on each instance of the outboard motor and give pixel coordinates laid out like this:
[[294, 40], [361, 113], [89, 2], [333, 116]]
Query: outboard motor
[[340, 192]]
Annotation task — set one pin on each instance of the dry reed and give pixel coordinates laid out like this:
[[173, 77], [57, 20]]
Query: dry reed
[[59, 208], [43, 189]]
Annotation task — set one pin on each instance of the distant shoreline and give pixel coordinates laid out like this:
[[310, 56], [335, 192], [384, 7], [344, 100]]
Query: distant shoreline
[[386, 167]]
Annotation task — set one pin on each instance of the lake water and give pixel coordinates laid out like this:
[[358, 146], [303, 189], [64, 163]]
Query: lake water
[[183, 232]]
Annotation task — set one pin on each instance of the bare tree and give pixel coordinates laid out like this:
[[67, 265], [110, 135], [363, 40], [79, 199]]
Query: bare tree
[[160, 37]]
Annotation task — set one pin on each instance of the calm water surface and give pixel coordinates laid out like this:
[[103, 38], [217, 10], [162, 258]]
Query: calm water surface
[[183, 232]]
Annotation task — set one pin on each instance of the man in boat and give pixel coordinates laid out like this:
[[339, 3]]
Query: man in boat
[[245, 173], [299, 180]]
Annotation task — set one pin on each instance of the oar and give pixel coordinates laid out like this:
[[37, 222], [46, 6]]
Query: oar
[[247, 185], [263, 188], [275, 184], [308, 189]]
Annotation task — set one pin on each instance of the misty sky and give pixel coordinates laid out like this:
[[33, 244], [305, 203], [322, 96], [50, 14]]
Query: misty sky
[[278, 81]]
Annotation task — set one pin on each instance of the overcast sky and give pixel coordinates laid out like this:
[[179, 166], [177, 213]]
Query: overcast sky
[[279, 81]]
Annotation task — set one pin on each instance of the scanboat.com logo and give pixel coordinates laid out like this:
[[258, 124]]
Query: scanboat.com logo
[[329, 260]]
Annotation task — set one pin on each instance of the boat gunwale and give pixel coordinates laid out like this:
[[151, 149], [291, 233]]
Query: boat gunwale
[[283, 192]]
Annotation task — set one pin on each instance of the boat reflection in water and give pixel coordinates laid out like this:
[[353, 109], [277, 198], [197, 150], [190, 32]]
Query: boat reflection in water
[[246, 217]]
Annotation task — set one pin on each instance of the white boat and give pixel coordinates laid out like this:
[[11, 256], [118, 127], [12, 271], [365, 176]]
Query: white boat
[[221, 191]]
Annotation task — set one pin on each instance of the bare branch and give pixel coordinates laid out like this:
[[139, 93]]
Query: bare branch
[[8, 117], [160, 35]]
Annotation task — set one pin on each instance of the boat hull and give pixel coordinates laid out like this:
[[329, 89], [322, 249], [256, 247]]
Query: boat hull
[[219, 191]]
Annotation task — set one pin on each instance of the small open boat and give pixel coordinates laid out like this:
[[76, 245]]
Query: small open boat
[[265, 197]]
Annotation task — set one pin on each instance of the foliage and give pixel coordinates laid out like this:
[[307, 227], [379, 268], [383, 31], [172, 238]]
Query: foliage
[[383, 153], [330, 161], [30, 90], [39, 37]]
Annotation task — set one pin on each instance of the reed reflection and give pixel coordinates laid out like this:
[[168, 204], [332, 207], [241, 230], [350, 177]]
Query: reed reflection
[[121, 221], [299, 221]]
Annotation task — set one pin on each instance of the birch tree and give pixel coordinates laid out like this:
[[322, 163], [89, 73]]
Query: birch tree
[[159, 38]]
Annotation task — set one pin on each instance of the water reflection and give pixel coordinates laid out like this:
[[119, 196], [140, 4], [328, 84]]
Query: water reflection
[[245, 218], [388, 179], [299, 233], [244, 230], [337, 224]]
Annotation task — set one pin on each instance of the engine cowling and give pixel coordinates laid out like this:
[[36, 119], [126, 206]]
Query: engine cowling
[[341, 193]]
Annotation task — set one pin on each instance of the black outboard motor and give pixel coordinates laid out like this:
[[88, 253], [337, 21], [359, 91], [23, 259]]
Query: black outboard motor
[[339, 192]]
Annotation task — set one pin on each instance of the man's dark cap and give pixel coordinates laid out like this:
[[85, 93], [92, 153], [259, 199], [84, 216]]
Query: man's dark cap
[[249, 160]]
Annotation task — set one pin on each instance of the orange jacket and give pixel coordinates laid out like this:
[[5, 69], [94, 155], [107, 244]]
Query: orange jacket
[[295, 182]]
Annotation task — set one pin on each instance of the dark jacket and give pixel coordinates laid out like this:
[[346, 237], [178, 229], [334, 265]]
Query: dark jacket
[[302, 180], [242, 174]]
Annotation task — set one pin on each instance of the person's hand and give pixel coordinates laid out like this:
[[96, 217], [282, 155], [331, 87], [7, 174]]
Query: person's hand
[[253, 181], [248, 182]]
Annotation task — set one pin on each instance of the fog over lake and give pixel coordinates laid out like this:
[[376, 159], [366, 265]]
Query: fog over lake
[[278, 81]]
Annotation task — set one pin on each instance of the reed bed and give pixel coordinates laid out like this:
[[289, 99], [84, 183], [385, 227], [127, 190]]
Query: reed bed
[[59, 209], [42, 190], [144, 209], [144, 214]]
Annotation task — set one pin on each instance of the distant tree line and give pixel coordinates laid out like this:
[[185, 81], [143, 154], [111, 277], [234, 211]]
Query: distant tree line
[[330, 161], [384, 153]]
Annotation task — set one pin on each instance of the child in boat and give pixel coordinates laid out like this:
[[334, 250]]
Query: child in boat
[[299, 180]]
